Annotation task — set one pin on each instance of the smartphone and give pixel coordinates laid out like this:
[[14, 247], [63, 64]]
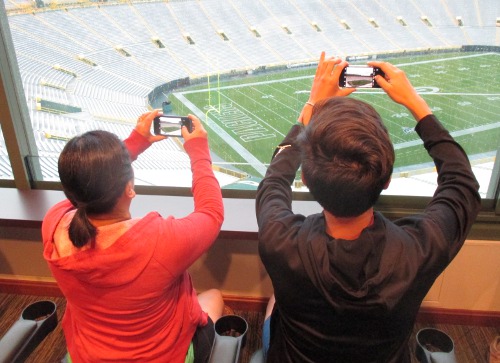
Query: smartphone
[[169, 125], [359, 77]]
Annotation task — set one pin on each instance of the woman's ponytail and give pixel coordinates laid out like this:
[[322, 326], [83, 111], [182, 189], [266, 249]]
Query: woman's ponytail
[[81, 231]]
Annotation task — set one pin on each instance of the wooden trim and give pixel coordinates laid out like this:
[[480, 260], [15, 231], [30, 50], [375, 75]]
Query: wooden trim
[[247, 303], [458, 317], [255, 303], [29, 287], [50, 288]]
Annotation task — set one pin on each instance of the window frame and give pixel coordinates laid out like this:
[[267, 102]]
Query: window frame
[[18, 141], [21, 147]]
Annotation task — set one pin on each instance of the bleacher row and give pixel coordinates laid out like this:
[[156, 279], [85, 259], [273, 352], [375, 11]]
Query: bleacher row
[[106, 59]]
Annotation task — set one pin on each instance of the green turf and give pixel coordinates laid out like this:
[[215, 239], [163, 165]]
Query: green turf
[[254, 113]]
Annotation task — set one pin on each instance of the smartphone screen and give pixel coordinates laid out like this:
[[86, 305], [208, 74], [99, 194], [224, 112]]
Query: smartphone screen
[[359, 77], [171, 125]]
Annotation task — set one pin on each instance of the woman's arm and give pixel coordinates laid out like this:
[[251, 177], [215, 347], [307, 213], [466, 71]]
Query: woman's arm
[[186, 239], [141, 138]]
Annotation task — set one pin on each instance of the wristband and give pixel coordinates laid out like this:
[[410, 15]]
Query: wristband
[[280, 148]]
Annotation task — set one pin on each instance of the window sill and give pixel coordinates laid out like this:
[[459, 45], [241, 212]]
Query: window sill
[[26, 208]]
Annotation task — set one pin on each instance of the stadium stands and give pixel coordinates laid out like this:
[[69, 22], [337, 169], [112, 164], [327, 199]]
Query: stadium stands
[[236, 25]]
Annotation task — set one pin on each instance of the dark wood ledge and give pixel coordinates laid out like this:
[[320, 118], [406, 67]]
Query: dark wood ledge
[[26, 208]]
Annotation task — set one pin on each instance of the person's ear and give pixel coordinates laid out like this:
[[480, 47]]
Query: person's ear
[[387, 183], [129, 190], [303, 178]]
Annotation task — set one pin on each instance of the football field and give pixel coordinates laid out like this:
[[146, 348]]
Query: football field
[[247, 117]]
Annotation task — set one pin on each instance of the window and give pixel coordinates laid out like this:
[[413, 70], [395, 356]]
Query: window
[[5, 168], [245, 69]]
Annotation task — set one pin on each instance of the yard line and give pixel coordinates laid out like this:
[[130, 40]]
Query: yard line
[[240, 149], [281, 80], [422, 91], [459, 94], [445, 59], [468, 131]]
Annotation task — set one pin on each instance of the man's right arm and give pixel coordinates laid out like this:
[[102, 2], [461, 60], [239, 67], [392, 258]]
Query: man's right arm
[[274, 195]]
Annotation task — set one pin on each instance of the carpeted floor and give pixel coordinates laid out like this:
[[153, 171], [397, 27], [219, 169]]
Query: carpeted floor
[[471, 342]]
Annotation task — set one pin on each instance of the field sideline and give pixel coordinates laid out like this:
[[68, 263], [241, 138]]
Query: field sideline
[[247, 118]]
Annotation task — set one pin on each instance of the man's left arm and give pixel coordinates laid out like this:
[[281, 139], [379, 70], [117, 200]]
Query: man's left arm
[[456, 201]]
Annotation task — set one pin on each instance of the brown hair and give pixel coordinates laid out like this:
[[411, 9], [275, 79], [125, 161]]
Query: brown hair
[[348, 156], [94, 169]]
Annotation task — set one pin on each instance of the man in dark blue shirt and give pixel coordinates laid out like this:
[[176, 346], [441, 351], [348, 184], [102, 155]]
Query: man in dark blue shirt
[[348, 282]]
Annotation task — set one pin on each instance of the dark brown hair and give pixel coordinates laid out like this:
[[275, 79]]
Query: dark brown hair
[[94, 169], [348, 156]]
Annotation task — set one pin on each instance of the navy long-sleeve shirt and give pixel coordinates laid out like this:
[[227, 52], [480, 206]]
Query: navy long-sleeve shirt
[[357, 300]]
